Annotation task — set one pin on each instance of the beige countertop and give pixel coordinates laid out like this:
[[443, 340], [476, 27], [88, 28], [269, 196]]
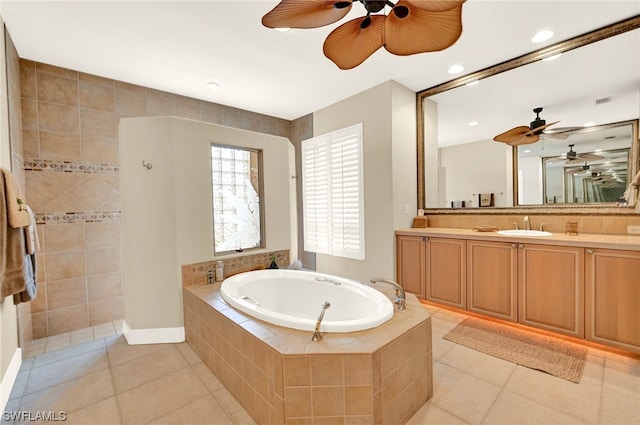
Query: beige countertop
[[628, 242]]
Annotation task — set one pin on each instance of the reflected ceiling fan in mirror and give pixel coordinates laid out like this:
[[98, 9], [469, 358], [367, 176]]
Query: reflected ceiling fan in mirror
[[573, 157], [412, 26], [524, 135]]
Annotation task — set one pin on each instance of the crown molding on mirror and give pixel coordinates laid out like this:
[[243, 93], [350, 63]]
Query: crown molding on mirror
[[537, 55]]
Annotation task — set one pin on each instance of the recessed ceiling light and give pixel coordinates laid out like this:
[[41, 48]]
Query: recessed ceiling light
[[527, 151], [473, 123], [589, 124], [597, 150], [283, 29], [456, 69], [213, 85], [541, 36], [472, 83], [554, 57]]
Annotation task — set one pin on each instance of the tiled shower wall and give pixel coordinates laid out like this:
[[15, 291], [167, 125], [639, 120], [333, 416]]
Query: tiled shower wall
[[69, 130]]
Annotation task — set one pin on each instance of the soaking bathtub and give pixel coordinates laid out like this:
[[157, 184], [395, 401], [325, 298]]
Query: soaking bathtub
[[294, 299]]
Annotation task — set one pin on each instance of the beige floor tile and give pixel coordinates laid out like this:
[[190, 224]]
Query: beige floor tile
[[439, 345], [430, 414], [120, 352], [105, 412], [76, 350], [81, 335], [190, 356], [106, 329], [462, 394], [619, 408], [578, 400], [210, 381], [201, 412], [233, 408], [147, 368], [478, 364], [513, 409], [156, 399], [622, 377], [65, 370], [58, 342], [443, 321], [71, 396]]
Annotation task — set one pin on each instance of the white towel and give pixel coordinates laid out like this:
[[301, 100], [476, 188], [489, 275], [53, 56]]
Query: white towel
[[31, 234]]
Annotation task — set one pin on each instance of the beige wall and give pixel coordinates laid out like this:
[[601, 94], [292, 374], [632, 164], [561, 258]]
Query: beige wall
[[72, 181], [167, 214], [387, 146]]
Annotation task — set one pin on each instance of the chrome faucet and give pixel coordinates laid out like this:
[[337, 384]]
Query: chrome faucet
[[400, 296], [317, 336], [527, 224]]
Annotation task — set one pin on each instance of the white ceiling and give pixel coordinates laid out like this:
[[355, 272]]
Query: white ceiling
[[178, 46]]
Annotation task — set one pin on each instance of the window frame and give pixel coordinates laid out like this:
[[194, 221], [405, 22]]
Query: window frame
[[317, 164], [260, 195]]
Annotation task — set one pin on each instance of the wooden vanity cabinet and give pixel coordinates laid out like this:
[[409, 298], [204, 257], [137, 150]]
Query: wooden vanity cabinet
[[551, 288], [445, 275], [613, 298], [492, 279], [410, 257]]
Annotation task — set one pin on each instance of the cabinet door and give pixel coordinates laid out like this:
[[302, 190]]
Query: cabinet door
[[551, 288], [613, 298], [492, 279], [445, 276], [410, 263]]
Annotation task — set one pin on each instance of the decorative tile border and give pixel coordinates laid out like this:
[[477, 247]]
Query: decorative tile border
[[70, 166], [78, 217]]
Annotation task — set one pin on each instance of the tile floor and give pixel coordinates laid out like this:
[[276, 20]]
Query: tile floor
[[94, 377]]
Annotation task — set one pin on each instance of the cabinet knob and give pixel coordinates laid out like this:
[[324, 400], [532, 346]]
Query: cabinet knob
[[589, 251], [513, 245], [520, 246]]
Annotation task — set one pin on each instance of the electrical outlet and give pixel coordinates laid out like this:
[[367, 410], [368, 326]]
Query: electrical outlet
[[633, 230]]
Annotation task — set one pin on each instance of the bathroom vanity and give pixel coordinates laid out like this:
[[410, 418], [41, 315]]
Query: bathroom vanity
[[586, 286]]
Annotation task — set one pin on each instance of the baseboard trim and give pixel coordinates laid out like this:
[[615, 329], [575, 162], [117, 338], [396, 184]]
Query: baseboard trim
[[9, 378], [153, 335]]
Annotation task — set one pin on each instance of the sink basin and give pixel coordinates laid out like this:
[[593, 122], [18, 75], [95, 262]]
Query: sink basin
[[523, 232]]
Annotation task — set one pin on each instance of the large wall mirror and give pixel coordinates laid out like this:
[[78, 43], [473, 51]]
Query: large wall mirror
[[588, 157]]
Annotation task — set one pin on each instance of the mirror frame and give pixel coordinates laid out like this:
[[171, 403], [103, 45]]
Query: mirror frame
[[554, 49]]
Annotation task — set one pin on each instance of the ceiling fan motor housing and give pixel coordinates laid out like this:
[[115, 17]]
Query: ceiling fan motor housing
[[538, 122]]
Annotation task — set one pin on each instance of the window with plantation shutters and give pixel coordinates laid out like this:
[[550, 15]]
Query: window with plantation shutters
[[332, 187]]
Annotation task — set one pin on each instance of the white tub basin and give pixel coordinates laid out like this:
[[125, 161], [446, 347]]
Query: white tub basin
[[523, 232]]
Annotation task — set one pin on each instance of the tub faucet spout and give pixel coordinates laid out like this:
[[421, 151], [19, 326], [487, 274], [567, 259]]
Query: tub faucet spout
[[317, 336], [400, 295]]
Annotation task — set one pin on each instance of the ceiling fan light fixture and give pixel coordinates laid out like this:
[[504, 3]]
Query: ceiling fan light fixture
[[541, 36], [455, 69]]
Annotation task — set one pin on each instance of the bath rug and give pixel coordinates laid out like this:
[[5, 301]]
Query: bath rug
[[556, 357]]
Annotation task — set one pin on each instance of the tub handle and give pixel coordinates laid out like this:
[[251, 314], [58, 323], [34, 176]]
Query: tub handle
[[326, 279], [251, 300]]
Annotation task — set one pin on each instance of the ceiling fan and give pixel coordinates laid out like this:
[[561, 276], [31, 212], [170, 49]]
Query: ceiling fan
[[412, 26], [573, 157], [523, 135]]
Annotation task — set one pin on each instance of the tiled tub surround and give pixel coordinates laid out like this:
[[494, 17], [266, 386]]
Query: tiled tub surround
[[378, 376], [196, 274]]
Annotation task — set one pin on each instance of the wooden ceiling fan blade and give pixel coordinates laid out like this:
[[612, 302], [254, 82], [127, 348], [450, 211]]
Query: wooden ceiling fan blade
[[353, 42], [305, 13], [590, 156], [512, 135], [575, 161], [435, 5], [562, 130], [524, 140], [409, 30]]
